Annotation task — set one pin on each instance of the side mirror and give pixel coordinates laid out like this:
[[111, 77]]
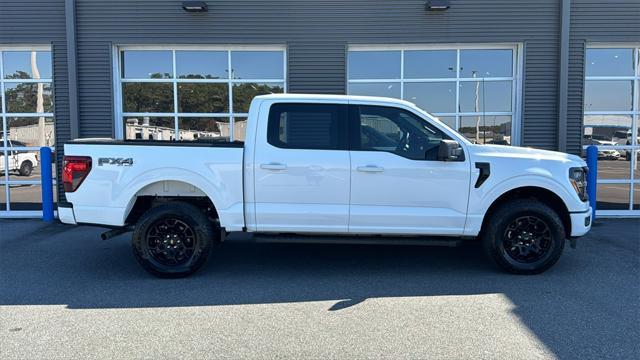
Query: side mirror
[[450, 150]]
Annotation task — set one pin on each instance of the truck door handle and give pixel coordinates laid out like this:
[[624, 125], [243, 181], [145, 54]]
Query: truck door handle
[[370, 168], [273, 166]]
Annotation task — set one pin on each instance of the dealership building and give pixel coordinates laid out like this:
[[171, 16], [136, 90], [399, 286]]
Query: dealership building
[[550, 74]]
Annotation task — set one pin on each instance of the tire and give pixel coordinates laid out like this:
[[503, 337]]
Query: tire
[[524, 237], [26, 168], [173, 240]]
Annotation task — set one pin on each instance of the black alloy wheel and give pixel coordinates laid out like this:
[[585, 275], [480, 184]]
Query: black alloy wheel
[[173, 239], [527, 239], [524, 236]]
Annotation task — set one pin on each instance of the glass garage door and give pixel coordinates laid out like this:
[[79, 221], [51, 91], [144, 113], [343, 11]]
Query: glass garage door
[[473, 89], [187, 93], [611, 112], [27, 124]]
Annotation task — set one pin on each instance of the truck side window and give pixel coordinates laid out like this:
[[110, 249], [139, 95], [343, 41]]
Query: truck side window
[[308, 126], [399, 132]]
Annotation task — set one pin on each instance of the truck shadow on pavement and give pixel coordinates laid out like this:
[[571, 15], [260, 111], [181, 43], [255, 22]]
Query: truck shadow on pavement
[[585, 306]]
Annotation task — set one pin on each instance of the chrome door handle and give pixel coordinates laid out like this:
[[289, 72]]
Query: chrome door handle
[[370, 168], [273, 166]]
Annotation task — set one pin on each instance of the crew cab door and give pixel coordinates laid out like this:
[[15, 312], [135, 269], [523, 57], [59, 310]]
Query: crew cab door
[[302, 168], [397, 184]]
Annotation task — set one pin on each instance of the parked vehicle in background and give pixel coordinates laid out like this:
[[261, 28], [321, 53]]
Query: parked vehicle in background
[[604, 154], [341, 169], [21, 161]]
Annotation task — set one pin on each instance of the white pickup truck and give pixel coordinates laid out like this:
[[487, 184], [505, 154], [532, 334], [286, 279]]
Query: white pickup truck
[[319, 168], [22, 161]]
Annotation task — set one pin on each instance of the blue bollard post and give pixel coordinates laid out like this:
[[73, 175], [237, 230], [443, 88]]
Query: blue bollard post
[[592, 177], [47, 184]]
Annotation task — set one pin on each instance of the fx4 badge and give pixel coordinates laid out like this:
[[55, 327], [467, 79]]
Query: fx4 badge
[[115, 161]]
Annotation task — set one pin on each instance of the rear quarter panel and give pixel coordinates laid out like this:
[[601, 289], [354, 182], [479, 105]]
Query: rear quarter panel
[[109, 191]]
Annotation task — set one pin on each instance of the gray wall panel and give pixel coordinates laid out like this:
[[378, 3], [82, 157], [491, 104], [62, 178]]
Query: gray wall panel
[[31, 21], [95, 94], [317, 67], [61, 105]]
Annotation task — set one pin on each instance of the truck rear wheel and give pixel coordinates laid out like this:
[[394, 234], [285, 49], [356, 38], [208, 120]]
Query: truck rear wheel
[[173, 240], [26, 168], [524, 237]]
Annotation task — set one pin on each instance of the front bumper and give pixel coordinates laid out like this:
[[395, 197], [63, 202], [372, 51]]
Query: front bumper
[[581, 222]]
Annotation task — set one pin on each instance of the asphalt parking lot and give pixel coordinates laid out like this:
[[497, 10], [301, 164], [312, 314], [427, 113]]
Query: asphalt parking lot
[[66, 294]]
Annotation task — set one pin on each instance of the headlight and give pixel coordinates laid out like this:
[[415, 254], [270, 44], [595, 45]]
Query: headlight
[[578, 179]]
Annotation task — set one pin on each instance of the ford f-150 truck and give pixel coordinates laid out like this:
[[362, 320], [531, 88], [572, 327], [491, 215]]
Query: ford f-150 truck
[[320, 168]]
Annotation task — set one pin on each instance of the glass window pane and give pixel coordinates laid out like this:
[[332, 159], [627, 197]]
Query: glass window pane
[[147, 97], [24, 164], [609, 62], [257, 64], [26, 197], [375, 89], [449, 120], [486, 63], [636, 197], [33, 156], [147, 64], [3, 195], [239, 128], [636, 141], [477, 96], [202, 128], [149, 128], [244, 93], [636, 164], [203, 98], [374, 64], [612, 164], [30, 131], [486, 129], [429, 64], [433, 97], [607, 129], [612, 197], [202, 64], [28, 98], [614, 95], [27, 64]]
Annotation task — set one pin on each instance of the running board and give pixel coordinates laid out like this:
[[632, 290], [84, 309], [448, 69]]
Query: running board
[[359, 240]]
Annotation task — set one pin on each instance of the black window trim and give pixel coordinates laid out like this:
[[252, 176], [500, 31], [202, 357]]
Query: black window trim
[[343, 125]]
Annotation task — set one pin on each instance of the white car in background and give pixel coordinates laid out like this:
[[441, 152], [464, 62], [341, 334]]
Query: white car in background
[[604, 154], [608, 154], [22, 161]]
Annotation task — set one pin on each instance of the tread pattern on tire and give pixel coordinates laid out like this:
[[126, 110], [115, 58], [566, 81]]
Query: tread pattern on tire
[[505, 211], [26, 168], [204, 229]]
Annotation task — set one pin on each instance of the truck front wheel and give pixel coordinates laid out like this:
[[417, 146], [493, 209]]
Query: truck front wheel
[[173, 240], [524, 237]]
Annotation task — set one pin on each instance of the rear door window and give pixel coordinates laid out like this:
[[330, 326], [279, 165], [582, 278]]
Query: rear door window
[[308, 126]]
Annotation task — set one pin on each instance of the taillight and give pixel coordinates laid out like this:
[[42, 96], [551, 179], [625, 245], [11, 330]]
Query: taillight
[[75, 169]]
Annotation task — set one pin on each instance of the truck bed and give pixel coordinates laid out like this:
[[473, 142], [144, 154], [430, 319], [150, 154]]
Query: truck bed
[[123, 170]]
